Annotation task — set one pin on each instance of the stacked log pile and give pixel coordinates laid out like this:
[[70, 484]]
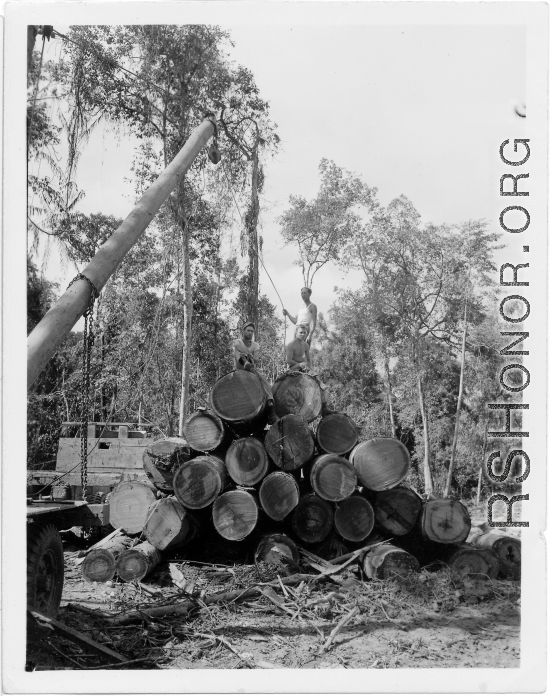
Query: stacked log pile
[[289, 486]]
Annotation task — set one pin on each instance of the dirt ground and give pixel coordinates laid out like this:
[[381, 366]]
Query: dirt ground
[[425, 620]]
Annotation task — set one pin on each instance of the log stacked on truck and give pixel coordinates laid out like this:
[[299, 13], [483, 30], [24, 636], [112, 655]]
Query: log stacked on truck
[[272, 489]]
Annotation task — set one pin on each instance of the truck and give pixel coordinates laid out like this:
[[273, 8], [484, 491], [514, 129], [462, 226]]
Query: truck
[[117, 448], [55, 498]]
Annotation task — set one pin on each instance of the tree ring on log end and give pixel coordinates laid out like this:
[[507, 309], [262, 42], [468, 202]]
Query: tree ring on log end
[[354, 518], [128, 506], [246, 461], [381, 463], [397, 510], [238, 397], [289, 442], [333, 477], [198, 482], [298, 394], [203, 430], [312, 518], [336, 433], [235, 515], [279, 495], [445, 521], [272, 548]]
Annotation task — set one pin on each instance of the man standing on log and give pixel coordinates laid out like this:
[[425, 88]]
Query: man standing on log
[[298, 358], [306, 315], [246, 353]]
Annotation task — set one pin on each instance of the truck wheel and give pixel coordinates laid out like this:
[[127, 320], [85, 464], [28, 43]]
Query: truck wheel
[[44, 568]]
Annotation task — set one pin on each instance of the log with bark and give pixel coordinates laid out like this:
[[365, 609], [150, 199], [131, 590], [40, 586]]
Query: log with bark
[[238, 398], [279, 495], [168, 524], [99, 565], [162, 457], [137, 562], [312, 518], [235, 514], [354, 518], [445, 521], [336, 434], [198, 482], [381, 463], [247, 461], [386, 561], [204, 431], [396, 510], [272, 548], [289, 442], [128, 506], [506, 548], [298, 394], [333, 477]]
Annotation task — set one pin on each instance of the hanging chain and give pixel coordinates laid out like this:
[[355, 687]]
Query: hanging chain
[[85, 393]]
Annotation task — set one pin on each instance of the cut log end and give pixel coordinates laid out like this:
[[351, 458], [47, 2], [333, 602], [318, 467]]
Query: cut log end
[[247, 461], [235, 515], [333, 477], [137, 562], [274, 547], [199, 481], [472, 562], [381, 463], [387, 561], [336, 434], [289, 443], [297, 394], [312, 519], [204, 431], [279, 495], [238, 397], [99, 566], [397, 510], [354, 518], [445, 521], [129, 504]]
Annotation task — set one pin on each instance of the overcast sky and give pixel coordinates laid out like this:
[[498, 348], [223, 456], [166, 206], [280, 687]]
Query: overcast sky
[[414, 110]]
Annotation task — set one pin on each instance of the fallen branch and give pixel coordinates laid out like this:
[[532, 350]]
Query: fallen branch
[[75, 635], [90, 612], [183, 608], [123, 664], [273, 597], [339, 626]]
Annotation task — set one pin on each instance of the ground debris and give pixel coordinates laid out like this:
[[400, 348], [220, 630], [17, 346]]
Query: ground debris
[[267, 617]]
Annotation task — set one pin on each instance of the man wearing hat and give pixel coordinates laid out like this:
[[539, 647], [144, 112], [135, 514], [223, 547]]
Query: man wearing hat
[[246, 353]]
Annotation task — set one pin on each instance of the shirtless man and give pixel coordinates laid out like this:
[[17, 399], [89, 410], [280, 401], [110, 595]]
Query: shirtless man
[[306, 315], [245, 354], [298, 358]]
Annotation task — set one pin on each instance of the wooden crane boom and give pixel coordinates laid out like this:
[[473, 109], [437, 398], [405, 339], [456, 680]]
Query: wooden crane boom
[[55, 326]]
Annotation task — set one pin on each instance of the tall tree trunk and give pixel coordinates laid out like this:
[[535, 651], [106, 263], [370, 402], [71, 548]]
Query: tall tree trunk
[[458, 404], [251, 222], [186, 343], [390, 398], [428, 480], [480, 477], [32, 31]]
